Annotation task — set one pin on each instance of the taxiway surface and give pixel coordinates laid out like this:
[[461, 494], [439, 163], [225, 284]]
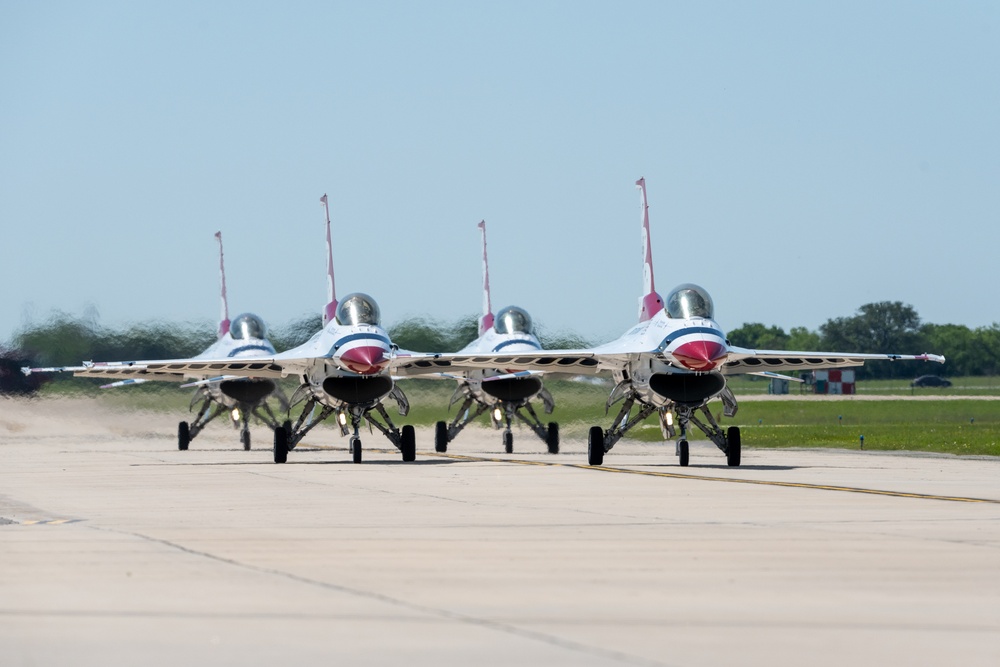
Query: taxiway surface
[[117, 549]]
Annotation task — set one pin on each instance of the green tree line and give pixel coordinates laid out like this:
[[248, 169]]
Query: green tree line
[[885, 327], [876, 327], [66, 340]]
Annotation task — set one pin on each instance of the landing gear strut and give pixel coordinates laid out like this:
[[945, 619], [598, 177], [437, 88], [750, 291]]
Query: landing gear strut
[[375, 414], [210, 409], [599, 442], [511, 410]]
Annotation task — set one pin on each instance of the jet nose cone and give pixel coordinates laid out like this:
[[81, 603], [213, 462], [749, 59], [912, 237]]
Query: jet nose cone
[[701, 355], [365, 359]]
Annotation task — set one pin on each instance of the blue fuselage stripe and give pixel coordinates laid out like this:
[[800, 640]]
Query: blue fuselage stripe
[[248, 348], [507, 343], [363, 336], [696, 330]]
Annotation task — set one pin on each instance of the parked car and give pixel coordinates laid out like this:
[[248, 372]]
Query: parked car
[[930, 381]]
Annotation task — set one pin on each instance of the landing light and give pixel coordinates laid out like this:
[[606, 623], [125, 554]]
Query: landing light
[[342, 418], [670, 419], [236, 414], [497, 415]]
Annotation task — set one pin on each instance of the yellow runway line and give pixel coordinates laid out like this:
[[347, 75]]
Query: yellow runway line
[[731, 480]]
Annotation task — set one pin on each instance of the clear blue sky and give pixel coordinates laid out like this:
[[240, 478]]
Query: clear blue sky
[[802, 159]]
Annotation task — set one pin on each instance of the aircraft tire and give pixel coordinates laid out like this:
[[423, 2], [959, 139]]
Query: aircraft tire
[[356, 449], [552, 438], [733, 447], [440, 437], [245, 439], [408, 444], [595, 446], [183, 436], [280, 445], [508, 442], [287, 425], [683, 452]]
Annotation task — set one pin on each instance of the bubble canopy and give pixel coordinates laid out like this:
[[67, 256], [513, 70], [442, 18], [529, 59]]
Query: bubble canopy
[[687, 301], [512, 320], [358, 308], [247, 326]]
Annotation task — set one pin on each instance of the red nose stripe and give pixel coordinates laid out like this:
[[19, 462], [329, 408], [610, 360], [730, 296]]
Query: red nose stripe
[[700, 355], [364, 360]]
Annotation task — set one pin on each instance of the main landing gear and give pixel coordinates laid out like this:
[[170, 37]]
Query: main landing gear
[[503, 416], [210, 409], [405, 440], [600, 441]]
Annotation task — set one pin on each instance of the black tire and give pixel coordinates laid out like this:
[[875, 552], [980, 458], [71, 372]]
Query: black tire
[[595, 446], [508, 442], [552, 438], [356, 449], [408, 444], [683, 452], [734, 447], [440, 437], [245, 439], [280, 445], [183, 436], [287, 425]]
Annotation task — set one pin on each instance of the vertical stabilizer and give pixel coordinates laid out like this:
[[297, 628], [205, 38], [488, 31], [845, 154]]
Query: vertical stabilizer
[[650, 303], [330, 311], [224, 319], [486, 321]]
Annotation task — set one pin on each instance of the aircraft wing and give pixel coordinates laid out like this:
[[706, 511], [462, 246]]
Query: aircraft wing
[[744, 361], [179, 370], [593, 361], [173, 370], [575, 362], [125, 372]]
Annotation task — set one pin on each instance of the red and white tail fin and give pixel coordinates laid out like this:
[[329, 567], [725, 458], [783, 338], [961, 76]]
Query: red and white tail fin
[[650, 303], [330, 310], [486, 321], [224, 320]]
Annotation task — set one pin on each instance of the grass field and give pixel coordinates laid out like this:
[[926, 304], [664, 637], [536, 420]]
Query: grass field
[[942, 422]]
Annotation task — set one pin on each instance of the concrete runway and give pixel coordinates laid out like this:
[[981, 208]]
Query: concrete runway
[[117, 549]]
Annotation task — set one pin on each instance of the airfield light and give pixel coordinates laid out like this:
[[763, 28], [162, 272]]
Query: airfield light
[[236, 414], [497, 414]]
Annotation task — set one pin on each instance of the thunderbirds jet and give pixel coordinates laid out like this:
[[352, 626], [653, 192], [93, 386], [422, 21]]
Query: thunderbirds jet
[[672, 363], [239, 398], [505, 395], [345, 370]]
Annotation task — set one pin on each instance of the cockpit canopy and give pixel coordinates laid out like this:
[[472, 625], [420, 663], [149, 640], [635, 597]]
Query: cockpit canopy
[[687, 301], [358, 308], [512, 320], [247, 326]]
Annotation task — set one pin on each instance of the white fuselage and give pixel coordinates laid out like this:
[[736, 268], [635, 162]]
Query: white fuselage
[[492, 342], [348, 364], [228, 347], [683, 362]]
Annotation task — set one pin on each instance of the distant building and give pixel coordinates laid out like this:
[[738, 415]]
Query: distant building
[[834, 382]]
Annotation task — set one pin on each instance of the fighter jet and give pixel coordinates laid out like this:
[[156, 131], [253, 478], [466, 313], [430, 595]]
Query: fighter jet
[[245, 337], [672, 363], [505, 395], [344, 370]]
